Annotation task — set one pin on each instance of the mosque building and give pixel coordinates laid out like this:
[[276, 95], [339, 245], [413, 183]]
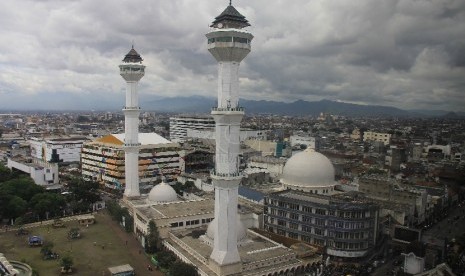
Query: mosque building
[[210, 233], [343, 225]]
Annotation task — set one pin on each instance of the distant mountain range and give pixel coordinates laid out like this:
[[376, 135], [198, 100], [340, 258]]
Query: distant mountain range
[[198, 104]]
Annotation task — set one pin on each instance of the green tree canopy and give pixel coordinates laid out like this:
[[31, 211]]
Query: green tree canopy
[[16, 207], [180, 268], [48, 202], [153, 242], [21, 186], [66, 262]]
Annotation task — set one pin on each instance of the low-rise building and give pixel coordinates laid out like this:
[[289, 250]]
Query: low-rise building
[[43, 173]]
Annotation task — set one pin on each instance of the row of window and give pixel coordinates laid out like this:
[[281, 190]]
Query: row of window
[[229, 39], [190, 222]]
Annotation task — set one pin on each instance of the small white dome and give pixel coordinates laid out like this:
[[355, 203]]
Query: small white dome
[[162, 193], [308, 169], [240, 230]]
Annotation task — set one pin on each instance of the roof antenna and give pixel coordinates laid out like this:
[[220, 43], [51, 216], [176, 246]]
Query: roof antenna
[[132, 44], [230, 2]]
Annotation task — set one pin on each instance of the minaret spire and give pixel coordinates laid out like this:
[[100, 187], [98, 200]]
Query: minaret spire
[[132, 71], [229, 47]]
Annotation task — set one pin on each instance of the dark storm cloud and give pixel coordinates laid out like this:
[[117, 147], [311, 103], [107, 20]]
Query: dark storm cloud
[[405, 53]]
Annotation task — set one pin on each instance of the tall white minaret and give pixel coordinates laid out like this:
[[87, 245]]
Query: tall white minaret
[[229, 44], [132, 71]]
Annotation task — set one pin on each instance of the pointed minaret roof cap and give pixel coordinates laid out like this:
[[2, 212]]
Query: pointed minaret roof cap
[[230, 16], [132, 56]]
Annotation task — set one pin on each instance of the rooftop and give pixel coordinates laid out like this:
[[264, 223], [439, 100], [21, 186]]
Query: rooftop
[[230, 18], [132, 56]]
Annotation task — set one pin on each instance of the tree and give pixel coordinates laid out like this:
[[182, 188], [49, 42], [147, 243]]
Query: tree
[[66, 263], [16, 207], [50, 203], [165, 259], [180, 268], [74, 233], [153, 242], [46, 248], [85, 192]]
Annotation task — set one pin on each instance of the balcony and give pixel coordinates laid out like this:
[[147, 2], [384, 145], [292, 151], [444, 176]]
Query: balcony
[[234, 175], [227, 109]]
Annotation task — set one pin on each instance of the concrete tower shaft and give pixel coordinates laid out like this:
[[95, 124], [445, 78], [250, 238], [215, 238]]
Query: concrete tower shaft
[[229, 45], [132, 71]]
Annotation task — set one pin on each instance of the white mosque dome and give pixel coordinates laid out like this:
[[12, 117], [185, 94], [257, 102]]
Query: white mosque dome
[[308, 169], [162, 193], [240, 230]]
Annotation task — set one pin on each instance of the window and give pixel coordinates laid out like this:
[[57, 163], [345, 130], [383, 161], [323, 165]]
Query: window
[[282, 213], [307, 219], [320, 211], [293, 226], [307, 209], [281, 222], [319, 222], [294, 216], [293, 206], [293, 235], [306, 228], [319, 232]]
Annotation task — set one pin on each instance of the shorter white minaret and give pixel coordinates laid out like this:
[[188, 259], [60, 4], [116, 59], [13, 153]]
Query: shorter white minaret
[[132, 71]]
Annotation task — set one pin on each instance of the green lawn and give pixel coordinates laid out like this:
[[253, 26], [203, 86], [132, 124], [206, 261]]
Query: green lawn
[[89, 259]]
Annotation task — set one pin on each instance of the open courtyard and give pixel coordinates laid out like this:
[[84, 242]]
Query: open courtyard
[[101, 245]]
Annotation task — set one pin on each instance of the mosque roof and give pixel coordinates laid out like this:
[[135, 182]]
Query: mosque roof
[[162, 193], [132, 56], [308, 169], [230, 18]]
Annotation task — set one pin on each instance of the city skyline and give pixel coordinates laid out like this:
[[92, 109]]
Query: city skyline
[[406, 54]]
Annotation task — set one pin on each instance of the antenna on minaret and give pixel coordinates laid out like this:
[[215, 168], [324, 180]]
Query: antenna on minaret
[[230, 2], [132, 44]]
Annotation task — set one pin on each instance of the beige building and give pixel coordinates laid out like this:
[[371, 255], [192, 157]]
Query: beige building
[[385, 138]]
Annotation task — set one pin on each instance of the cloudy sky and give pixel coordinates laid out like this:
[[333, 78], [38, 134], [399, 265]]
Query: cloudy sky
[[64, 54]]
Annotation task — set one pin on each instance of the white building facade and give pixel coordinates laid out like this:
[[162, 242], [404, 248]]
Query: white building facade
[[60, 149], [179, 126]]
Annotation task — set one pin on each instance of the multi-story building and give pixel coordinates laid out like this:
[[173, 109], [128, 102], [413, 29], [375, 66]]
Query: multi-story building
[[383, 189], [395, 156], [344, 225], [103, 160], [60, 149], [377, 136], [180, 125]]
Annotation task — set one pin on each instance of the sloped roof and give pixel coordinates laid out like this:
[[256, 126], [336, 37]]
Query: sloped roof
[[230, 16], [144, 139], [132, 56], [110, 139]]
